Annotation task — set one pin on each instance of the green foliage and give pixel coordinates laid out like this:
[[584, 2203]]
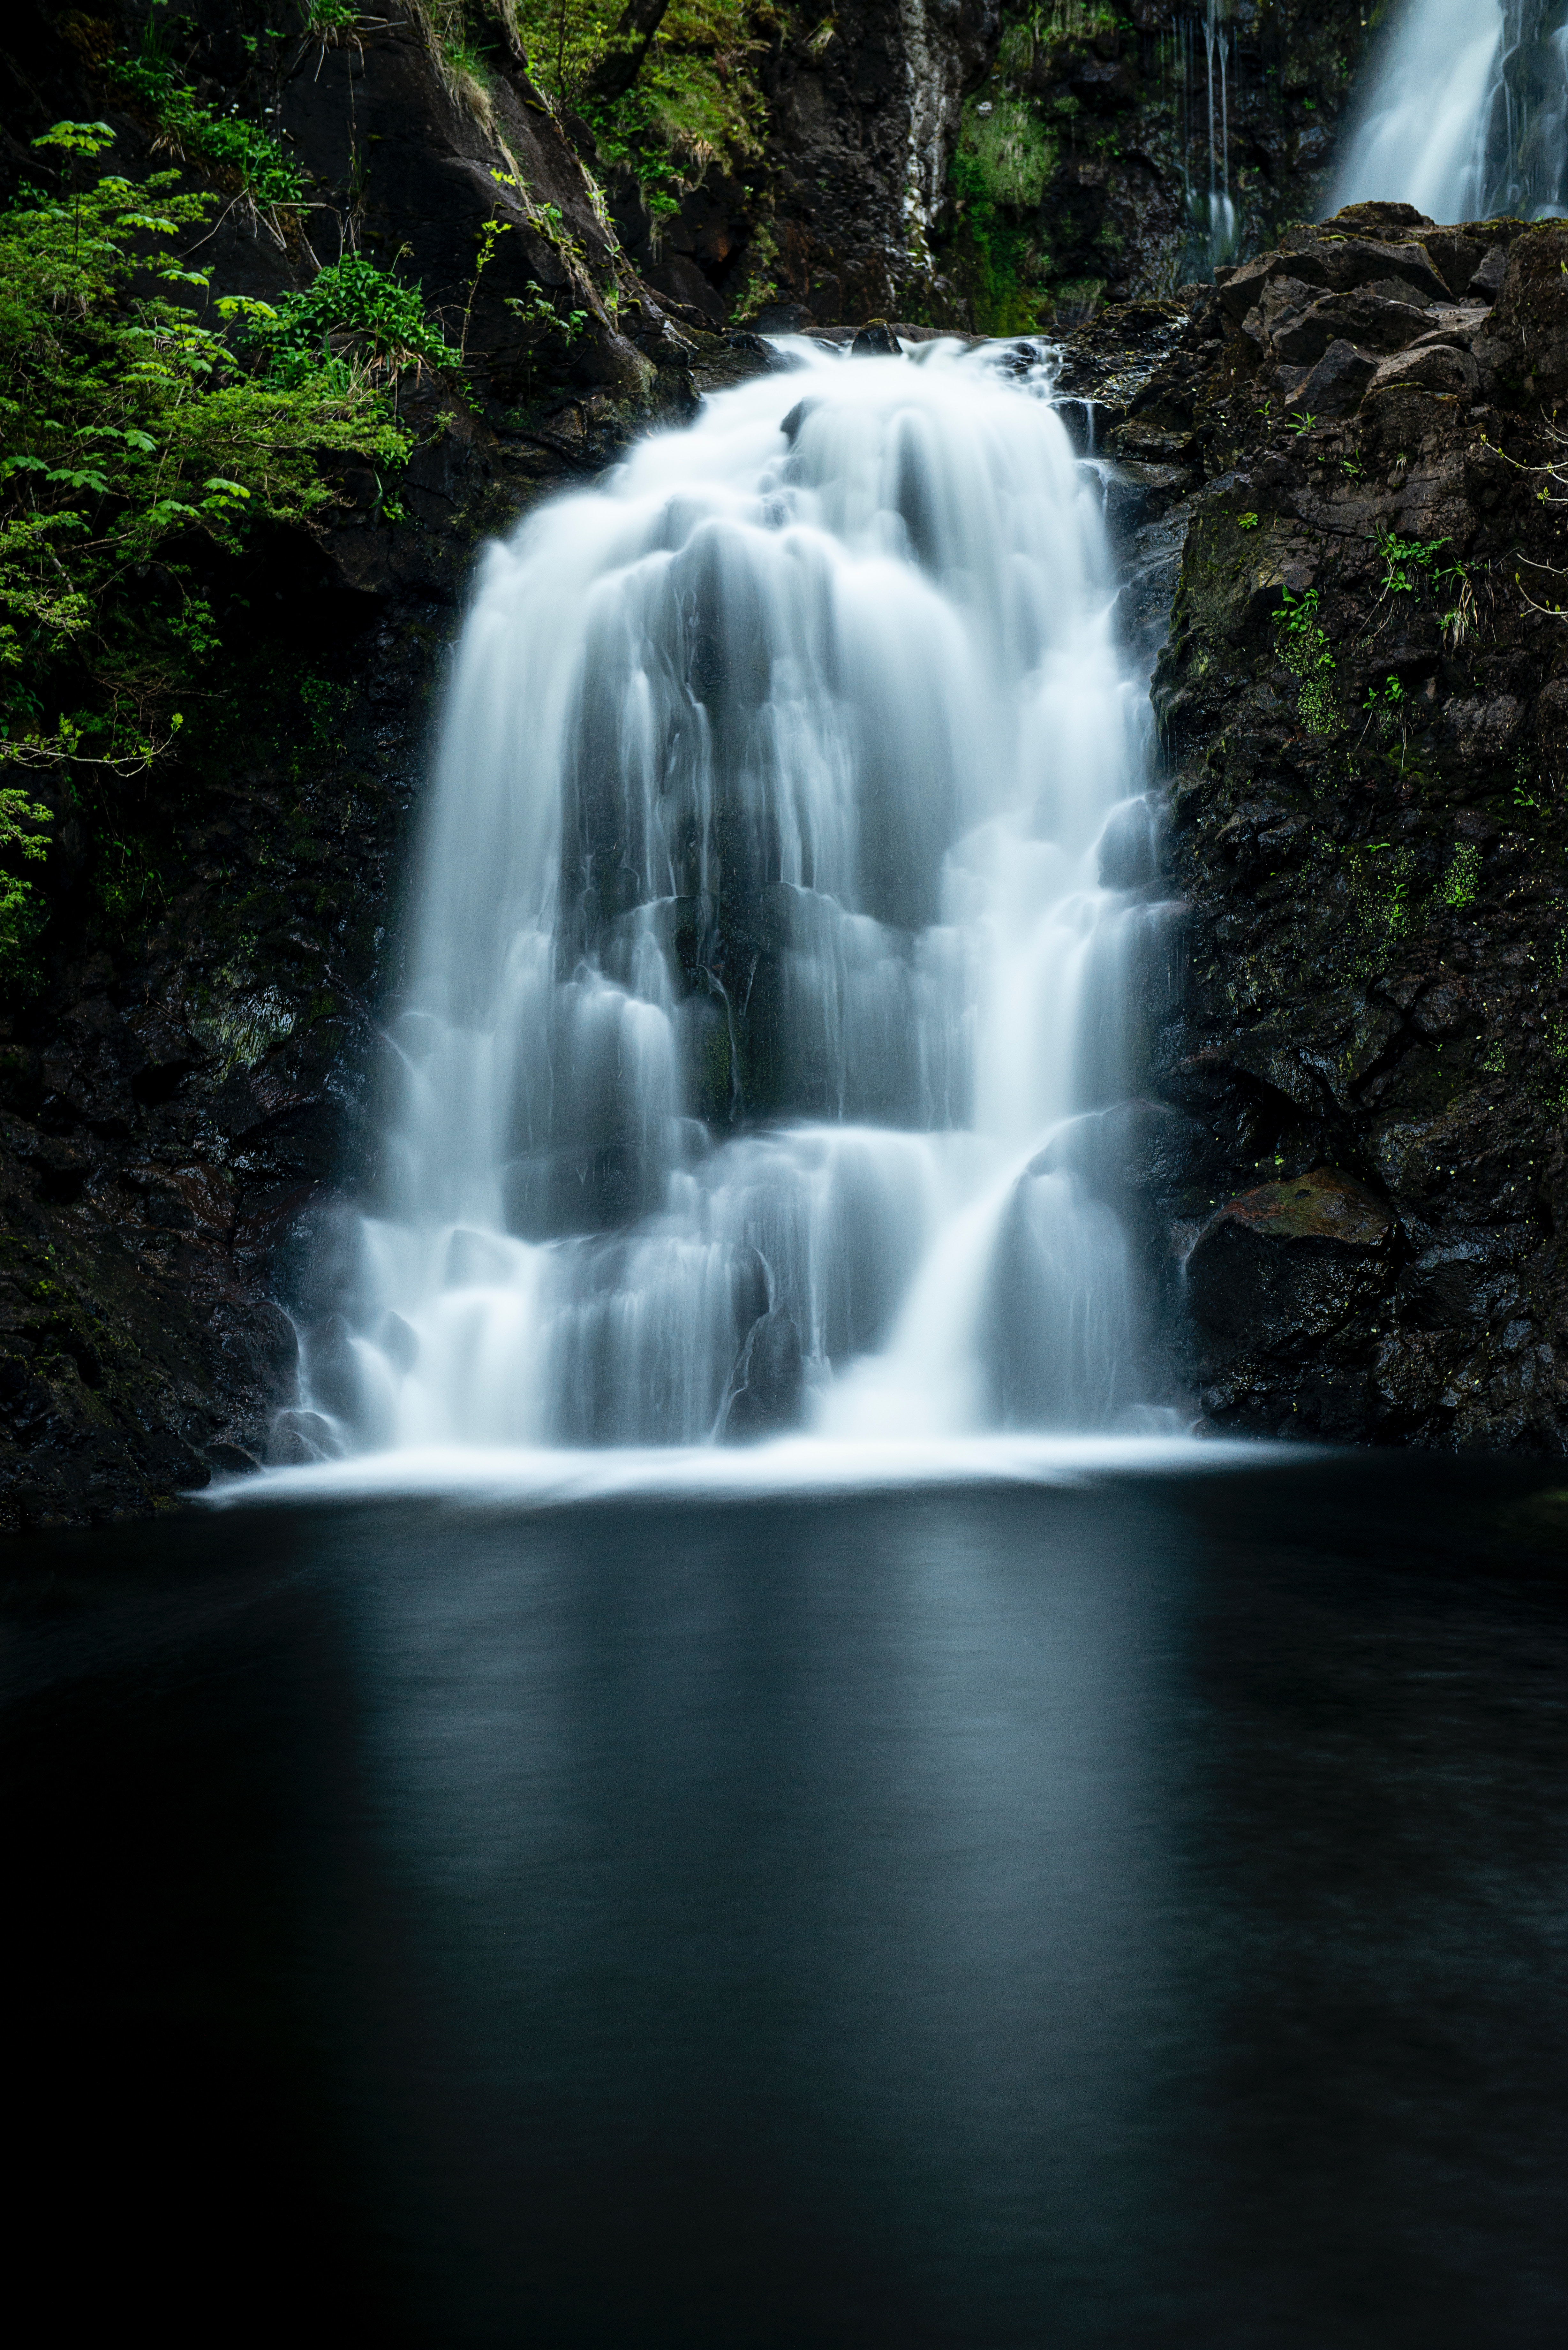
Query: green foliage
[[1462, 880], [353, 318], [696, 101], [1412, 564], [1302, 421], [1247, 522], [23, 824], [1305, 651], [1387, 703], [1382, 880], [267, 175], [138, 452]]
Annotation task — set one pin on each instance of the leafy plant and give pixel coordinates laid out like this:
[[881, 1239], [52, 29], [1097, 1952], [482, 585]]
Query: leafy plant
[[138, 452], [24, 837], [1305, 651], [268, 177], [1382, 891], [354, 318], [1302, 421], [1247, 522], [1413, 564], [1387, 703]]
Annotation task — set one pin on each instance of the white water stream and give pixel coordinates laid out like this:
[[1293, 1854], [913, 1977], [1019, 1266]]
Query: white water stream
[[762, 960], [1466, 112]]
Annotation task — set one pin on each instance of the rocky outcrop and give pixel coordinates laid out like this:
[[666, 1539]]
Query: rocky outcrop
[[1113, 156], [1364, 702], [837, 218]]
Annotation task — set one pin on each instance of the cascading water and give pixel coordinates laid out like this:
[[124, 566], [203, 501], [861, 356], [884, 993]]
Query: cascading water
[[764, 974], [1214, 227], [1466, 115], [1221, 211]]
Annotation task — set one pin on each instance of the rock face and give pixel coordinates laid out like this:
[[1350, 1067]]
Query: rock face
[[865, 118], [838, 217], [1283, 1263], [1113, 156], [1364, 703]]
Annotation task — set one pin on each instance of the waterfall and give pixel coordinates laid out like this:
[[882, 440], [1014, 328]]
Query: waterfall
[[1221, 211], [1212, 224], [1466, 116], [765, 983]]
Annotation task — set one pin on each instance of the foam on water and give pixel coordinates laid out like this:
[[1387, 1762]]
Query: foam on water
[[800, 1466]]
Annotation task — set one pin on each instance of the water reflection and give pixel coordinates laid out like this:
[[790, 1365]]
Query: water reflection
[[1128, 1915]]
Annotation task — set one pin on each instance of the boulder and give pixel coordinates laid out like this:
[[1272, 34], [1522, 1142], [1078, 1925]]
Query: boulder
[[1336, 384], [1288, 1260], [1372, 321]]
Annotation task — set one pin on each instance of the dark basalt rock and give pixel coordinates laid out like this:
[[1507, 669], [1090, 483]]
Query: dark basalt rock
[[1288, 1260], [1362, 703], [1335, 386]]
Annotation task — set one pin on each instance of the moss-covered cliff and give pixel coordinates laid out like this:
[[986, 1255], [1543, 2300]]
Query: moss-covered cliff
[[1117, 152]]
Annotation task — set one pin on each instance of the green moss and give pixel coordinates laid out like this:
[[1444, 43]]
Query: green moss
[[1305, 651], [1012, 156], [1461, 881], [994, 258], [696, 99]]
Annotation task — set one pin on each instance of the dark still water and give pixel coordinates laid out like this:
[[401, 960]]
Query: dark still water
[[1135, 1914]]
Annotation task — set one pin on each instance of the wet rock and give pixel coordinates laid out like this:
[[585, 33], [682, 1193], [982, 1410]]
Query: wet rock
[[333, 1371], [790, 425], [875, 341], [768, 1385], [1531, 312], [1336, 385], [300, 1439], [1436, 367], [1367, 320], [230, 1459], [1288, 1260]]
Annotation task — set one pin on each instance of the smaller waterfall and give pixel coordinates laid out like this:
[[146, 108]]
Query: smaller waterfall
[[1466, 116], [1221, 211], [1213, 225]]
